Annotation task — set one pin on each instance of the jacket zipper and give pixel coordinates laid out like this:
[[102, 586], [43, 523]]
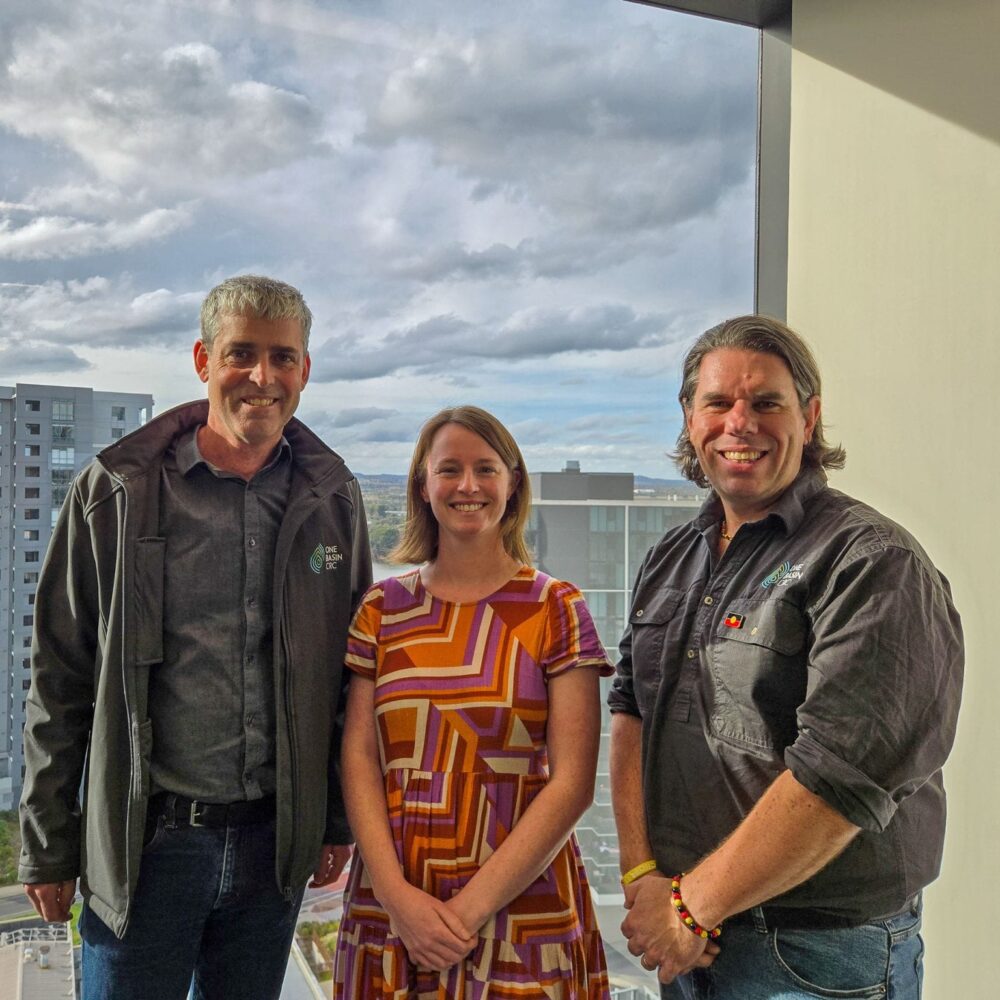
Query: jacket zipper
[[288, 891]]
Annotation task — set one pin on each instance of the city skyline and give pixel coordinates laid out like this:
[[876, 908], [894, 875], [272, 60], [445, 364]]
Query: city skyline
[[533, 209]]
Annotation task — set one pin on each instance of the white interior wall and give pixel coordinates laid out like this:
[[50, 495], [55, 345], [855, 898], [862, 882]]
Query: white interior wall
[[894, 276]]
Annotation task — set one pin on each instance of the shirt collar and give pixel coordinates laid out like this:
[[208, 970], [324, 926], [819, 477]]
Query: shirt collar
[[189, 454], [789, 509]]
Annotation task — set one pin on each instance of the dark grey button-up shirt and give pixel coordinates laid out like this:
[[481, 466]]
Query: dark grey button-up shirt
[[211, 701], [823, 641]]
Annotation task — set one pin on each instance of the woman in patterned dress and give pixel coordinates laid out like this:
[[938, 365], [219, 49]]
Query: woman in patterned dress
[[470, 748]]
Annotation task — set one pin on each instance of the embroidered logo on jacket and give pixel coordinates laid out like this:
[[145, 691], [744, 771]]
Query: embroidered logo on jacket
[[328, 556], [773, 578]]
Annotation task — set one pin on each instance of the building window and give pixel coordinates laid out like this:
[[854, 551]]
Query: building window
[[32, 471], [31, 557], [33, 405], [31, 492], [26, 642], [31, 514], [62, 409], [31, 534], [117, 432], [26, 684], [63, 456], [30, 578], [62, 434], [54, 516], [33, 429], [61, 480], [26, 663], [28, 620], [32, 450], [31, 600], [118, 413]]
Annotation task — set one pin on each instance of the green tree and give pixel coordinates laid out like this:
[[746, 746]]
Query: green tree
[[10, 847]]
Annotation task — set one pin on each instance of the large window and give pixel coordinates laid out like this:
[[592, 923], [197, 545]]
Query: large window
[[536, 205]]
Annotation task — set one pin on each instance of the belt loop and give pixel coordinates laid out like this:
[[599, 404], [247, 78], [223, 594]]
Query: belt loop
[[170, 811], [759, 922]]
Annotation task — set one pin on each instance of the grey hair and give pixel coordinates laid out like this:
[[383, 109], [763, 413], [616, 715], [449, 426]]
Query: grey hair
[[257, 297], [764, 335]]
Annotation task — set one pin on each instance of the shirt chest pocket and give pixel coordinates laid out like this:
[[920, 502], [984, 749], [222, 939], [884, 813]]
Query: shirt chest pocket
[[757, 673], [654, 616]]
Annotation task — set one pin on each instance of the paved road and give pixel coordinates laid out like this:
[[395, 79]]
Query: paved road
[[13, 902]]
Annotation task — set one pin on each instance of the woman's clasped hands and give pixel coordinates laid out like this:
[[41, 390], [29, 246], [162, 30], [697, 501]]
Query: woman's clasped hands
[[431, 931]]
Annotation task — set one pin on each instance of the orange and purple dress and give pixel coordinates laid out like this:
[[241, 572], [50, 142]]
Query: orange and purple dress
[[461, 704]]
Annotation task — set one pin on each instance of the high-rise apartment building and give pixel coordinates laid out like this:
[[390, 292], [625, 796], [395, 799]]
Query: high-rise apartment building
[[590, 528], [47, 434]]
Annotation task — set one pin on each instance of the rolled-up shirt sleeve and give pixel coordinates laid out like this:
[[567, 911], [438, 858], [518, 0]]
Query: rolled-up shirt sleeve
[[884, 678], [621, 696]]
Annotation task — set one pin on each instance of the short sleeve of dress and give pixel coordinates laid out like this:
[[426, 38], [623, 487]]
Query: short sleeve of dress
[[571, 638], [362, 637]]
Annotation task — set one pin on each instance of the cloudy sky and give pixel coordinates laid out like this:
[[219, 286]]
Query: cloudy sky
[[531, 205]]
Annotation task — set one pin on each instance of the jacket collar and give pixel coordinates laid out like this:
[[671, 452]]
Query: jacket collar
[[136, 453], [789, 511]]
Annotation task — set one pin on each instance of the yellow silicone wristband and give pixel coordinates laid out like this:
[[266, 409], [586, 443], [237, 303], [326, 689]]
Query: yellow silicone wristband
[[633, 873]]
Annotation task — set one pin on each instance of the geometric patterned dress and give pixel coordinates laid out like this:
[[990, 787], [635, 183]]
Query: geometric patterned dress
[[461, 707]]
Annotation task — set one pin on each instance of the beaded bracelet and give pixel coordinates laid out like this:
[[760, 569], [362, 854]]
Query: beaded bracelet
[[633, 873], [689, 922]]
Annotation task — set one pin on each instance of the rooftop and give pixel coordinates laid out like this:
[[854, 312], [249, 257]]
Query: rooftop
[[37, 964]]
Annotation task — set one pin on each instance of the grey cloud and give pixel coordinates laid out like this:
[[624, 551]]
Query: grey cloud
[[360, 415], [398, 428], [51, 236], [169, 116], [98, 313], [454, 260], [443, 341], [603, 421], [34, 359], [613, 139]]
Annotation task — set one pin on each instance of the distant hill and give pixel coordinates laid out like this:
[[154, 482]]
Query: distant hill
[[679, 486], [380, 479]]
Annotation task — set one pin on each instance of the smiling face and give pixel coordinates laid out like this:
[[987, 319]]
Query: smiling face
[[255, 372], [748, 429], [466, 484]]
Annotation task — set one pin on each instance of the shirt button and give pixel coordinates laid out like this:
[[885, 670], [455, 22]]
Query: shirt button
[[251, 602], [252, 541], [708, 600], [691, 654], [638, 614], [250, 719]]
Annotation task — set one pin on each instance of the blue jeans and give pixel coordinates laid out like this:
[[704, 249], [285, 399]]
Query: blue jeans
[[206, 905], [881, 960]]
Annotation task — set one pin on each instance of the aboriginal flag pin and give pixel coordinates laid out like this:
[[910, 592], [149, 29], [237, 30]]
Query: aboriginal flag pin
[[733, 620]]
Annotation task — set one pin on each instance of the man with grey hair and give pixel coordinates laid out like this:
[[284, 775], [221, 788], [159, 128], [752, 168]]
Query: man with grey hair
[[190, 625], [787, 694]]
